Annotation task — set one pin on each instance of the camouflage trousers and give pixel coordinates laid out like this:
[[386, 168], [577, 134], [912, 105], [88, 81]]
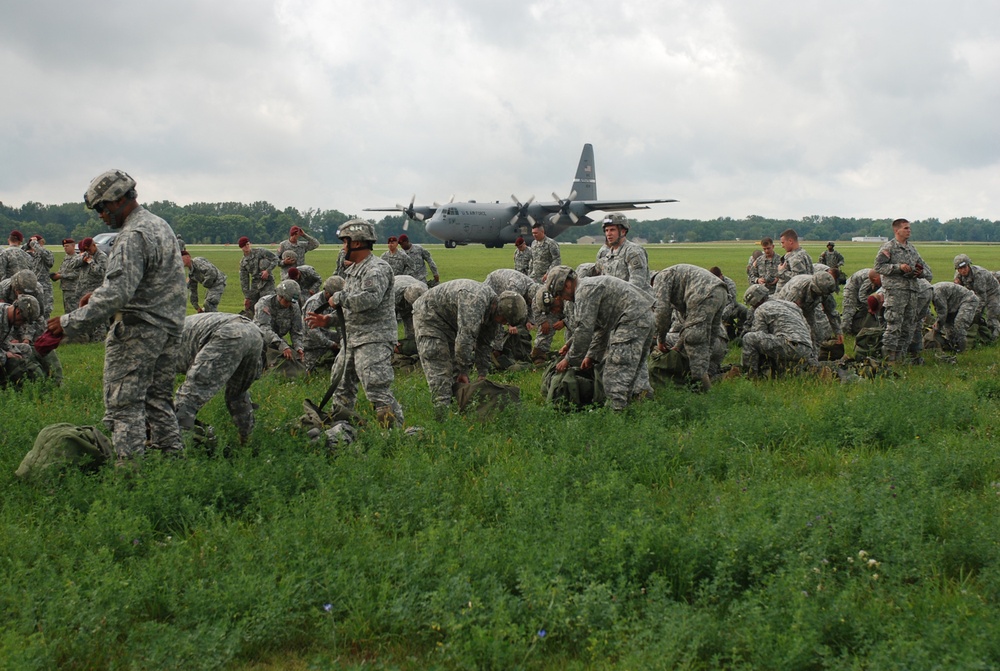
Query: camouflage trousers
[[318, 357], [956, 325], [437, 358], [232, 357], [702, 327], [213, 296], [46, 299], [71, 300], [901, 321], [625, 372], [258, 290], [138, 388], [758, 346], [371, 365]]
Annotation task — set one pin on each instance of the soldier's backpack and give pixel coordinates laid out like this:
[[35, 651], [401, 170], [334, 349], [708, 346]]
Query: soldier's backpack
[[671, 366], [64, 444], [407, 347], [831, 350], [868, 342], [290, 368], [485, 397], [572, 389], [516, 350]]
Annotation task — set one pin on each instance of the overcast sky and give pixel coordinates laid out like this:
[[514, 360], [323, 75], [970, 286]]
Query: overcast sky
[[779, 108]]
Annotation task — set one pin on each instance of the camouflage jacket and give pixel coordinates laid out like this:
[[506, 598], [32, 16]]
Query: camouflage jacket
[[310, 281], [306, 243], [320, 337], [418, 257], [856, 293], [980, 281], [199, 329], [460, 311], [544, 255], [251, 267], [25, 331], [368, 301], [399, 262], [628, 262], [950, 297], [14, 259], [400, 284], [784, 319], [145, 279], [799, 290], [766, 269], [68, 274], [280, 321], [797, 262], [832, 259], [606, 311], [42, 261], [205, 273], [893, 254], [678, 288], [88, 271], [507, 279], [522, 260]]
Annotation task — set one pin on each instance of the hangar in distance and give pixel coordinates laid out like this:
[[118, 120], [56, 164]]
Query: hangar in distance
[[495, 224]]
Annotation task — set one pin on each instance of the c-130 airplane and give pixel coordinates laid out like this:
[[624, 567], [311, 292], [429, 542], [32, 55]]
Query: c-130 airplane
[[495, 224]]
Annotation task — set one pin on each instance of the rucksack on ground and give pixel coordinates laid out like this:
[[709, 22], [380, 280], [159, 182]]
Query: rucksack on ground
[[572, 389], [63, 444]]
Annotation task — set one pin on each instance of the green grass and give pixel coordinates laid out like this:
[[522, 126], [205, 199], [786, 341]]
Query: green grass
[[727, 530]]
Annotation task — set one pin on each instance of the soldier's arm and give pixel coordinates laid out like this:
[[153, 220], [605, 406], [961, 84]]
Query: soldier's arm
[[556, 255], [298, 328], [244, 279], [471, 309], [193, 291], [583, 332], [883, 263], [311, 242], [125, 270]]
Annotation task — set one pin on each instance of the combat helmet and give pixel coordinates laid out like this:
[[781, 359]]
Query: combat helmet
[[333, 284], [513, 309], [289, 290], [24, 282], [616, 219], [823, 282], [357, 229], [413, 292], [962, 260], [108, 186], [28, 305], [587, 270], [557, 278], [755, 295]]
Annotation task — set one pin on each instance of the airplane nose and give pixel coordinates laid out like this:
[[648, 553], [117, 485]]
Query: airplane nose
[[435, 227]]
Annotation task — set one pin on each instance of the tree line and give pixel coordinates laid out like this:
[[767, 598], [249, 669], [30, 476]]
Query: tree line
[[219, 223]]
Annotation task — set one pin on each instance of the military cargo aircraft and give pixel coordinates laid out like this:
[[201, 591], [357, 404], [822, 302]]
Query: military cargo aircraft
[[495, 224]]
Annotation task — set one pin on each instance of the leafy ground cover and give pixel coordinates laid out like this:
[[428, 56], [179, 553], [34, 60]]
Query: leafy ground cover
[[795, 524]]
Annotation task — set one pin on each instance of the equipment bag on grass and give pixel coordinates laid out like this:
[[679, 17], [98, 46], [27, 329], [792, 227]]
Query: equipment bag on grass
[[670, 366], [575, 388], [486, 397], [66, 444]]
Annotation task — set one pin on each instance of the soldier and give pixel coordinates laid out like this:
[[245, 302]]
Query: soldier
[[13, 258], [279, 314], [89, 267], [256, 279], [859, 287], [544, 256], [397, 259], [764, 269], [24, 283], [321, 342], [367, 303], [505, 279], [419, 257], [750, 265], [796, 260], [299, 242], [406, 291], [16, 362], [613, 327], [42, 261], [456, 323], [835, 260], [67, 276], [981, 281], [699, 298], [900, 265], [779, 335], [204, 272], [287, 260], [144, 291], [522, 256], [810, 292], [956, 308], [734, 315], [622, 258], [217, 350]]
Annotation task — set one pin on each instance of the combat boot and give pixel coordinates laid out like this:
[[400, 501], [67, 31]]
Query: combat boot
[[385, 417], [538, 356]]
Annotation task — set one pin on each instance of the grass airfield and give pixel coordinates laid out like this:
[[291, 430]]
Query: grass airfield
[[793, 524]]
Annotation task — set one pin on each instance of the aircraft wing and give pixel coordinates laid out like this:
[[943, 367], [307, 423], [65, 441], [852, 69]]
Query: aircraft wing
[[617, 205], [412, 211], [574, 212]]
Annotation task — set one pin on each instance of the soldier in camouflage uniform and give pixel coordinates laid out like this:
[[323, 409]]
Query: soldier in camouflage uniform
[[981, 281], [859, 287], [522, 256], [622, 258], [814, 291], [144, 291], [833, 259], [456, 323], [613, 327], [420, 261], [67, 276], [299, 242], [204, 272], [217, 350], [17, 362], [89, 268], [545, 255], [279, 314], [322, 341], [699, 298], [397, 259], [900, 265], [796, 260], [42, 260], [256, 274], [406, 291], [24, 283], [506, 279], [13, 258], [779, 336], [956, 308], [308, 278], [368, 304], [764, 269]]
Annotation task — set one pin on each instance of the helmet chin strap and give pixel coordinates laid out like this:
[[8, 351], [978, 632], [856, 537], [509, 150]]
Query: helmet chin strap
[[116, 220]]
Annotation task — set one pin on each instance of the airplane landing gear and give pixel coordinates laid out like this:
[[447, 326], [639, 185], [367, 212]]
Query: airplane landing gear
[[450, 244]]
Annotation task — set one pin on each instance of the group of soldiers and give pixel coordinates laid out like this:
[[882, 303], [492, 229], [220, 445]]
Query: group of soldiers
[[615, 312]]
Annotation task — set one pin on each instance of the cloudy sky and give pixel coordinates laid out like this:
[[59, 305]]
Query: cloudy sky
[[779, 108]]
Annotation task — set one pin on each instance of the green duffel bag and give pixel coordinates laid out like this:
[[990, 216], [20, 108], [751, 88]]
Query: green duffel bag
[[407, 347], [66, 444], [670, 366], [572, 389], [485, 397]]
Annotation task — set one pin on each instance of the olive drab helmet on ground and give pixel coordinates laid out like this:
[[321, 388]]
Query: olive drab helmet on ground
[[357, 229], [108, 186]]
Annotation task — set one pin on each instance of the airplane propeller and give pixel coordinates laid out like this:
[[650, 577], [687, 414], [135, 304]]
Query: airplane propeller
[[409, 212], [564, 208], [522, 210]]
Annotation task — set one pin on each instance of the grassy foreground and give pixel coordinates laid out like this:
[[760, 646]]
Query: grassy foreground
[[793, 524]]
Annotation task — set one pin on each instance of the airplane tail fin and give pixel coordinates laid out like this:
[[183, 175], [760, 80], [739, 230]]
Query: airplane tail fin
[[585, 183]]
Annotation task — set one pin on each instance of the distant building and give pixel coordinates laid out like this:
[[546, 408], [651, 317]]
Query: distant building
[[869, 238], [590, 240]]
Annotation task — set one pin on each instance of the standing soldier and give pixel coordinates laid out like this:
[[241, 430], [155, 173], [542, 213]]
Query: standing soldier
[[91, 266], [900, 265], [13, 258], [981, 281], [622, 258], [796, 260], [835, 260], [456, 323], [204, 272], [278, 315], [299, 242], [764, 269], [144, 291], [419, 258], [613, 326], [522, 256], [42, 261], [256, 279], [397, 259], [217, 350], [67, 276], [368, 305], [698, 297]]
